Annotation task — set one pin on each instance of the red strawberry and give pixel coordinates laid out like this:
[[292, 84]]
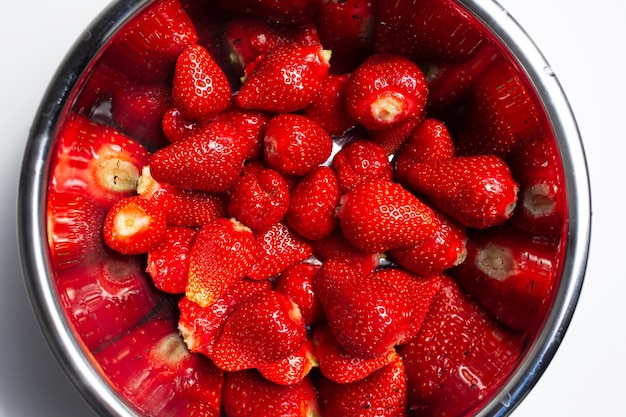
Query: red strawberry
[[311, 211], [264, 328], [99, 86], [512, 274], [296, 282], [418, 290], [383, 393], [429, 141], [113, 288], [147, 47], [286, 79], [200, 89], [541, 207], [477, 191], [329, 109], [187, 208], [500, 114], [347, 29], [281, 11], [251, 124], [222, 254], [337, 247], [259, 198], [176, 127], [134, 226], [425, 29], [295, 145], [442, 251], [209, 160], [338, 365], [248, 394], [386, 90], [380, 215], [278, 248], [190, 408], [361, 161], [74, 224], [391, 139], [293, 369], [168, 262], [137, 110], [458, 358], [96, 160], [367, 316], [200, 326], [151, 367]]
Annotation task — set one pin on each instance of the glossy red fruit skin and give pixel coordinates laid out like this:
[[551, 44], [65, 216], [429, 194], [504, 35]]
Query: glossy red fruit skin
[[168, 262], [292, 369], [385, 90], [328, 109], [361, 161], [336, 247], [459, 357], [512, 274], [296, 282], [251, 124], [350, 299], [280, 11], [176, 127], [393, 138], [209, 160]]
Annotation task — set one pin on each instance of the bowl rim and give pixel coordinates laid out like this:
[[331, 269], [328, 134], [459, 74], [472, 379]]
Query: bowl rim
[[72, 355]]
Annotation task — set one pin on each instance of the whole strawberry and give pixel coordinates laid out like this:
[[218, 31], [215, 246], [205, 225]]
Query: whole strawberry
[[293, 368], [380, 215], [209, 160], [385, 90], [200, 88], [286, 79], [296, 282], [361, 161], [168, 262]]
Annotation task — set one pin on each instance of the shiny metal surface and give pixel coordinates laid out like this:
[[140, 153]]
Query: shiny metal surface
[[73, 356]]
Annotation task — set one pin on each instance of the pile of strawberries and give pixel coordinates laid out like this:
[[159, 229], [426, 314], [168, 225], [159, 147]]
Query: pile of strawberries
[[353, 207]]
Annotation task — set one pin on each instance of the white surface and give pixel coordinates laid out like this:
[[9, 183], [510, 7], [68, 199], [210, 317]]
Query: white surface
[[585, 47]]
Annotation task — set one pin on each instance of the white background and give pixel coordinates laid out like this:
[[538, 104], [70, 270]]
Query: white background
[[583, 41]]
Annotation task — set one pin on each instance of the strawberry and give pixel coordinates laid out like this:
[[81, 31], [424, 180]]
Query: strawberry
[[296, 282], [347, 29], [541, 207], [328, 108], [151, 367], [361, 161], [259, 198], [168, 262], [418, 290], [385, 90], [186, 208], [383, 393], [176, 127], [425, 29], [367, 316], [293, 369], [199, 326], [337, 247], [264, 328], [338, 365], [209, 275], [209, 160], [500, 115], [190, 408], [444, 250], [113, 288], [74, 224], [380, 215], [251, 124], [200, 89], [459, 356], [295, 145], [276, 10], [512, 274], [98, 88], [278, 248], [391, 139], [477, 191], [147, 48], [248, 394], [134, 226], [311, 211], [286, 79], [97, 161], [137, 110]]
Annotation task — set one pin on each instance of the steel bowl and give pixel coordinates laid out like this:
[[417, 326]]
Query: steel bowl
[[78, 361]]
